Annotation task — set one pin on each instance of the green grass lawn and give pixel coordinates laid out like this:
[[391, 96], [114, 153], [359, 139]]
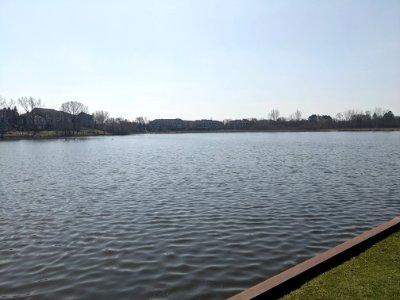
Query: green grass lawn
[[374, 274]]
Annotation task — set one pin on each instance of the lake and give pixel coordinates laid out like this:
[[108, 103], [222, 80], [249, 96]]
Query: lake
[[178, 216]]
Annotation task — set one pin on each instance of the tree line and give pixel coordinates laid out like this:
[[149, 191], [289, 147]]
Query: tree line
[[73, 117], [27, 115]]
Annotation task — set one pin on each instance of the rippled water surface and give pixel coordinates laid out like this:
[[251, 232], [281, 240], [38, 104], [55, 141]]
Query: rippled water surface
[[180, 216]]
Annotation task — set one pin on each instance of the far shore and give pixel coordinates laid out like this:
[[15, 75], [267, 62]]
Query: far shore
[[44, 135], [274, 130]]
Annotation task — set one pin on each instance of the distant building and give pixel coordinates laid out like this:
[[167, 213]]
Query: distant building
[[238, 124], [207, 125], [47, 119], [167, 125], [158, 125], [86, 120], [51, 119]]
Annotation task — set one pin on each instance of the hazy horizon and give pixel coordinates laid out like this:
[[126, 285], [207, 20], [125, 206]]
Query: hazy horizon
[[209, 59]]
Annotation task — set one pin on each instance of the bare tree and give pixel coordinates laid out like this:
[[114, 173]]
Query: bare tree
[[74, 108], [274, 114], [10, 104], [348, 114], [29, 104], [379, 112], [119, 126], [296, 116], [100, 117], [2, 102], [351, 113], [142, 121], [339, 116]]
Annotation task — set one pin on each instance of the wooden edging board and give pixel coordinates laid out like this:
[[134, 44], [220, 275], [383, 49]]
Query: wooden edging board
[[294, 277]]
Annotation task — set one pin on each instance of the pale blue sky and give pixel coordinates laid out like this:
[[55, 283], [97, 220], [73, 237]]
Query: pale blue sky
[[202, 59]]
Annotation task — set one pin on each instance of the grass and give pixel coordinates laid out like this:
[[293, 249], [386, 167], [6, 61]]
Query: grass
[[374, 274], [50, 134]]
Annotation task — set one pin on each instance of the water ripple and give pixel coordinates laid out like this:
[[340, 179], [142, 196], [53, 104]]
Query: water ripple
[[200, 216]]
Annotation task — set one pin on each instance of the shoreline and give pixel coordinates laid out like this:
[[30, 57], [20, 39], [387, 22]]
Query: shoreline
[[52, 137], [274, 130], [294, 277]]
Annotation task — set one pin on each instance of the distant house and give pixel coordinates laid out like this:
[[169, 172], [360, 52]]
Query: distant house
[[86, 120], [207, 125], [51, 119], [48, 119], [238, 124], [167, 125], [158, 125]]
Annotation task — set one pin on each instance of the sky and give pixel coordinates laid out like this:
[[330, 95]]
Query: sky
[[219, 59]]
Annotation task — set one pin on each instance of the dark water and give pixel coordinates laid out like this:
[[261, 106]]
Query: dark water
[[184, 216]]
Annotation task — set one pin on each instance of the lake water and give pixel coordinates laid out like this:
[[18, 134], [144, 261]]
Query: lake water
[[178, 216]]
